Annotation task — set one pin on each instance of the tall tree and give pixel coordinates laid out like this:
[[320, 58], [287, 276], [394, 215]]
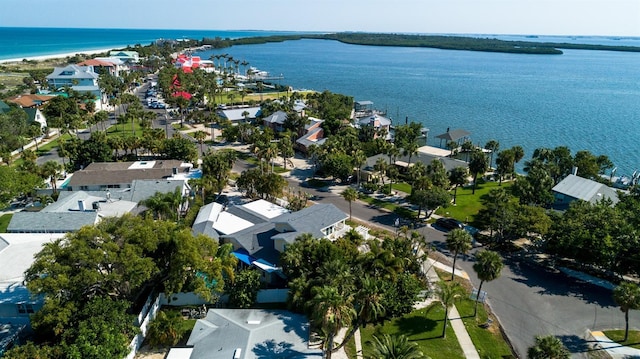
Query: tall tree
[[332, 310], [477, 165], [488, 266], [458, 241], [457, 177], [493, 146], [349, 195], [627, 296], [50, 170], [448, 293]]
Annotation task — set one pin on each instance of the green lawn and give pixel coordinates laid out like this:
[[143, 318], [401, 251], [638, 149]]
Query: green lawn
[[125, 129], [399, 210], [617, 336], [488, 342], [43, 149], [402, 187], [468, 204], [423, 327], [4, 222]]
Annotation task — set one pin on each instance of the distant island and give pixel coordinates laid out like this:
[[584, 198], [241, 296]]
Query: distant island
[[431, 41]]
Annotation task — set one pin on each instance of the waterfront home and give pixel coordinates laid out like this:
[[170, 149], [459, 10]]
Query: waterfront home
[[425, 155], [378, 122], [249, 334], [276, 121], [573, 188], [78, 78], [17, 252], [236, 115]]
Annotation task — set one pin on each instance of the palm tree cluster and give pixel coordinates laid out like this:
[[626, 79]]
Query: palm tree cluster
[[340, 287]]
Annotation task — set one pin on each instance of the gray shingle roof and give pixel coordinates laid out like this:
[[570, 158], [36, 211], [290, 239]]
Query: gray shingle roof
[[257, 333], [277, 117], [50, 222], [313, 219], [105, 173], [454, 135]]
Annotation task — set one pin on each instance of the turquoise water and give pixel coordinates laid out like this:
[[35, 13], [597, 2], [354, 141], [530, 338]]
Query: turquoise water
[[582, 99], [26, 42]]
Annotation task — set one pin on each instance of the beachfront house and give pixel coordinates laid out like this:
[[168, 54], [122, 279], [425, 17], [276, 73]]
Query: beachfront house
[[79, 78]]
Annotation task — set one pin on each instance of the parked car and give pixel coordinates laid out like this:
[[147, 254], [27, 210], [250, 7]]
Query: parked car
[[449, 224]]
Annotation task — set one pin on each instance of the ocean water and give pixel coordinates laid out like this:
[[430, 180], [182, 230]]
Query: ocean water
[[582, 99], [25, 42], [587, 100]]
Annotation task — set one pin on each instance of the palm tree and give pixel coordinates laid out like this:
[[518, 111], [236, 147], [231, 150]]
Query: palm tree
[[359, 157], [493, 146], [458, 241], [477, 165], [200, 137], [394, 347], [331, 311], [50, 170], [548, 347], [457, 177], [448, 293], [381, 167], [627, 296], [349, 195], [488, 266]]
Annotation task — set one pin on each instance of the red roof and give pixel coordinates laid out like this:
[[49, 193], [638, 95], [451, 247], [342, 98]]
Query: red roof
[[95, 62]]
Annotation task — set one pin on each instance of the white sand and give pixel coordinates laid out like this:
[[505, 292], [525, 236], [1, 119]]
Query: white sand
[[60, 56]]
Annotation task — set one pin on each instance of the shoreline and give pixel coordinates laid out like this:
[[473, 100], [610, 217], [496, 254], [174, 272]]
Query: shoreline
[[59, 55]]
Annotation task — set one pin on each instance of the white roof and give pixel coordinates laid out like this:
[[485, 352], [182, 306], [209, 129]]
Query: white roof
[[142, 165], [17, 251], [430, 150], [227, 223], [179, 353], [265, 208]]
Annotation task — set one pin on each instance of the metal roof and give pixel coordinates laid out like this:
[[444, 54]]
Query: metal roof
[[454, 135], [585, 189]]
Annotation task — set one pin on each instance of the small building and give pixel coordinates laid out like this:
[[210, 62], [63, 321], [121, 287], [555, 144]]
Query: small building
[[34, 115], [125, 56], [249, 334], [314, 135], [30, 100], [100, 66], [573, 188], [458, 136]]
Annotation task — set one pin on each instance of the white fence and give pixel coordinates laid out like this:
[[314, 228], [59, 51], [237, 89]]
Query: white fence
[[147, 314]]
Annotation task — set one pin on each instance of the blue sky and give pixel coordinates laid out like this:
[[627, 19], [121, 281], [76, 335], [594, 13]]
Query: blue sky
[[540, 17]]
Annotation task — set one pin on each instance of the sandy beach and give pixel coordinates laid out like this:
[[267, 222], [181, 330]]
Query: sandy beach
[[60, 56]]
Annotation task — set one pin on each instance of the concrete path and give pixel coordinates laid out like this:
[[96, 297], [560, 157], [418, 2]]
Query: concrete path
[[466, 344], [615, 350]]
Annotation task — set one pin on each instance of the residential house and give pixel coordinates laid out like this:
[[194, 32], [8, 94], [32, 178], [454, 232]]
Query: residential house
[[425, 155], [573, 188], [100, 66], [119, 65], [276, 121], [30, 100], [34, 115], [125, 56], [236, 115], [314, 135], [378, 122], [17, 252], [260, 231], [72, 211], [78, 78], [118, 176], [249, 334]]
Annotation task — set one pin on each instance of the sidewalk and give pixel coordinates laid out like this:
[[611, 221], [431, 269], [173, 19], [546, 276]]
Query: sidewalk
[[615, 350], [466, 344]]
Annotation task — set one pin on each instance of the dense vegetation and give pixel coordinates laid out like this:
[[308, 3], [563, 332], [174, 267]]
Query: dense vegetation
[[93, 278], [432, 41]]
